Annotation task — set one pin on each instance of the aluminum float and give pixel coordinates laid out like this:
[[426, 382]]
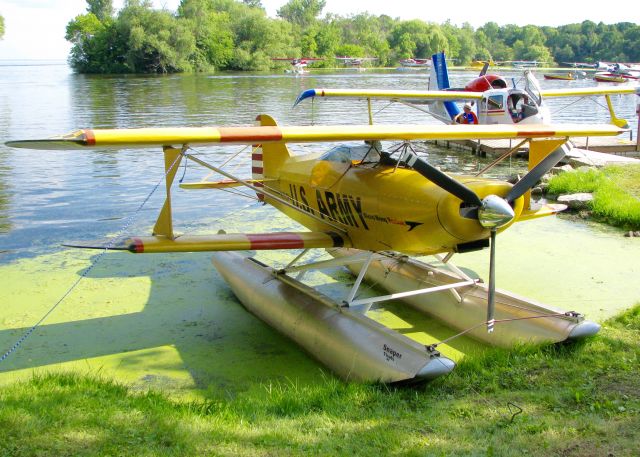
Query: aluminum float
[[518, 319], [350, 344]]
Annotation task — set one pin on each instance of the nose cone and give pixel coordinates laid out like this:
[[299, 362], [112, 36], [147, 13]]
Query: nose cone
[[495, 212]]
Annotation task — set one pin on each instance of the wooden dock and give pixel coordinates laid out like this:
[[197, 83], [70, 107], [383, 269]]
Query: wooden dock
[[578, 157], [593, 148]]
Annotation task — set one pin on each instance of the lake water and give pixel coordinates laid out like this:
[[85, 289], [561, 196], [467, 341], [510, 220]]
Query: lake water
[[150, 317]]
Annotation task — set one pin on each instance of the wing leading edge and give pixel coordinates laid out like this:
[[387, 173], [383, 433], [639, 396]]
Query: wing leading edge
[[389, 94], [146, 137], [223, 242]]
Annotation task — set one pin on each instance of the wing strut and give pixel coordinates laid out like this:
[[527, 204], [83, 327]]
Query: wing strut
[[270, 193], [164, 223]]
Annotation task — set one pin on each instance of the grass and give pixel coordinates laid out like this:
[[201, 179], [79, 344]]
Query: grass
[[616, 192], [571, 400]]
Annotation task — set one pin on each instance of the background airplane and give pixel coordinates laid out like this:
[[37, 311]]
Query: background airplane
[[493, 101], [298, 65]]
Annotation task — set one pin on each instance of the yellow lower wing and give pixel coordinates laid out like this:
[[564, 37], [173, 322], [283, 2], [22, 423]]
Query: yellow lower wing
[[224, 242], [225, 184]]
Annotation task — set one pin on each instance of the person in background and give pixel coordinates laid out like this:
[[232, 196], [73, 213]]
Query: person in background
[[467, 116]]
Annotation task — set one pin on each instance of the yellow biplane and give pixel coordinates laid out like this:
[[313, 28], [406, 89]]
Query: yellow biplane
[[373, 210]]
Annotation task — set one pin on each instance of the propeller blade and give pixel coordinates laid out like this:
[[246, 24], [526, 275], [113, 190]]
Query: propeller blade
[[536, 173], [491, 301], [443, 180]]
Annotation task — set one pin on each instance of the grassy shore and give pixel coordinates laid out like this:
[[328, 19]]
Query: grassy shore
[[615, 188], [571, 400]]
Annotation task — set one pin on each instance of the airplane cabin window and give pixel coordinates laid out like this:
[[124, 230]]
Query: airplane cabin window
[[496, 102]]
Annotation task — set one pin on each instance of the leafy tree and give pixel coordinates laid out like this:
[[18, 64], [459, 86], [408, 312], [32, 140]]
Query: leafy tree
[[632, 43], [102, 9], [328, 38], [368, 32], [212, 32], [157, 42], [301, 12], [350, 50], [97, 48], [416, 38], [468, 50], [261, 39], [1, 27], [237, 34]]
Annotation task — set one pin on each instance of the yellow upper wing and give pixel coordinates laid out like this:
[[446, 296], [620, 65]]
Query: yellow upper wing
[[390, 94], [144, 137], [588, 91]]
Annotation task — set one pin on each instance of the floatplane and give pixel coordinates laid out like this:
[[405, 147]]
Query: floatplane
[[616, 73], [489, 95], [415, 63], [298, 65], [355, 62], [374, 210]]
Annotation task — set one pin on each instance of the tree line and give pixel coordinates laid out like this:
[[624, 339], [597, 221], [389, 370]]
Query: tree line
[[208, 35]]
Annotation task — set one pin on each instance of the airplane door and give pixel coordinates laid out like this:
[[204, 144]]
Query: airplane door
[[492, 110]]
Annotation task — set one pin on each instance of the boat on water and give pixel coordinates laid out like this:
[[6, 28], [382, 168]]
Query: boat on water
[[567, 77], [610, 78], [617, 73]]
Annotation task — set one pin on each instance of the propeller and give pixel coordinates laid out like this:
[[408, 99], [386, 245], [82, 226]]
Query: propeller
[[536, 173], [493, 211], [485, 67]]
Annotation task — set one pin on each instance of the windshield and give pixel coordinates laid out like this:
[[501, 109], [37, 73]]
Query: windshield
[[532, 88], [346, 153]]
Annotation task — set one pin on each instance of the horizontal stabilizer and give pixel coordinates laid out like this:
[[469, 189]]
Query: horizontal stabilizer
[[223, 242], [145, 137]]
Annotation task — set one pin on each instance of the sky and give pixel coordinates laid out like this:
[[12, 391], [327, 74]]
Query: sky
[[34, 29]]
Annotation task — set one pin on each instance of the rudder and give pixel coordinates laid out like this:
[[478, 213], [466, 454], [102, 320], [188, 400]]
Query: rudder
[[267, 159], [439, 80]]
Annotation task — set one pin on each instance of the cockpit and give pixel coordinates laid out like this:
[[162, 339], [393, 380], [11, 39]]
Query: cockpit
[[515, 105], [520, 105], [352, 154]]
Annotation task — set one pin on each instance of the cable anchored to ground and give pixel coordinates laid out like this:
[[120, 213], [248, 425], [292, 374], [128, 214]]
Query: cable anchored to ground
[[84, 274]]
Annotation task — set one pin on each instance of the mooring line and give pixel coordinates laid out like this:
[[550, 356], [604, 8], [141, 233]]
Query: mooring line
[[499, 321], [109, 245]]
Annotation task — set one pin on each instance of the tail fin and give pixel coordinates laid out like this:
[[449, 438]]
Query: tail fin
[[267, 159], [439, 80]]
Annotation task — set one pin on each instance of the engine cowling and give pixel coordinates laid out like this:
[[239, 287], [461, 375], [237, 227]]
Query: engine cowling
[[486, 82]]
